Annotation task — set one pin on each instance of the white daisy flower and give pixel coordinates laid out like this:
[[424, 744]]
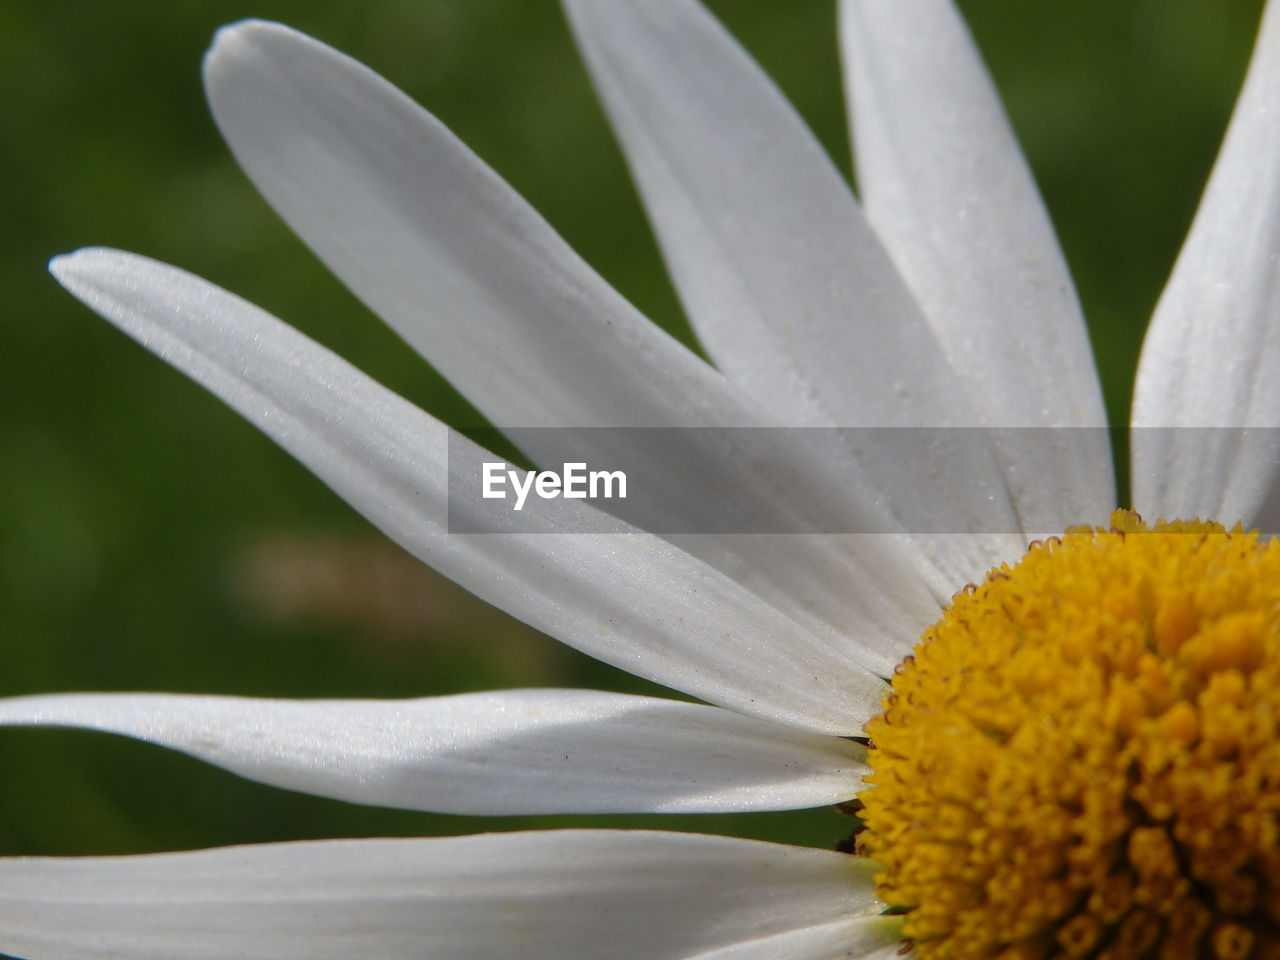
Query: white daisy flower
[[1079, 760]]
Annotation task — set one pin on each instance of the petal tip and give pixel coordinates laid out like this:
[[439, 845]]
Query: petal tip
[[66, 267], [61, 264], [236, 38]]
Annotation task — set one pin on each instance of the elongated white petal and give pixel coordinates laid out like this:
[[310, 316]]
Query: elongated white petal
[[784, 281], [949, 193], [627, 598], [1210, 363], [865, 937], [511, 752], [441, 248], [444, 251], [552, 894]]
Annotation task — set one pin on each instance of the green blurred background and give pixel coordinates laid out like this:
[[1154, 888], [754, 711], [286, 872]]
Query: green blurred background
[[150, 540]]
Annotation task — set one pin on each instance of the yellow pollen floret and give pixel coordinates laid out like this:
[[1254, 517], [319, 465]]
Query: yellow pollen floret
[[1081, 758]]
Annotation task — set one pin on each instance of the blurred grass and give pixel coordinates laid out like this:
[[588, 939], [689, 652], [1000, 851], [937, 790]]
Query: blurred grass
[[130, 500]]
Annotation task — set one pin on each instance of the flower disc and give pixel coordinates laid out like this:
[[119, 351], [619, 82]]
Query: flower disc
[[1081, 757]]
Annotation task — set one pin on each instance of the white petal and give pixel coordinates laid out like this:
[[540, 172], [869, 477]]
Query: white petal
[[627, 598], [441, 248], [444, 251], [1211, 360], [949, 193], [510, 752], [866, 937], [782, 278], [551, 894]]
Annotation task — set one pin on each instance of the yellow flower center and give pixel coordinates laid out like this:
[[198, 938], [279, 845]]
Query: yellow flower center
[[1081, 758]]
